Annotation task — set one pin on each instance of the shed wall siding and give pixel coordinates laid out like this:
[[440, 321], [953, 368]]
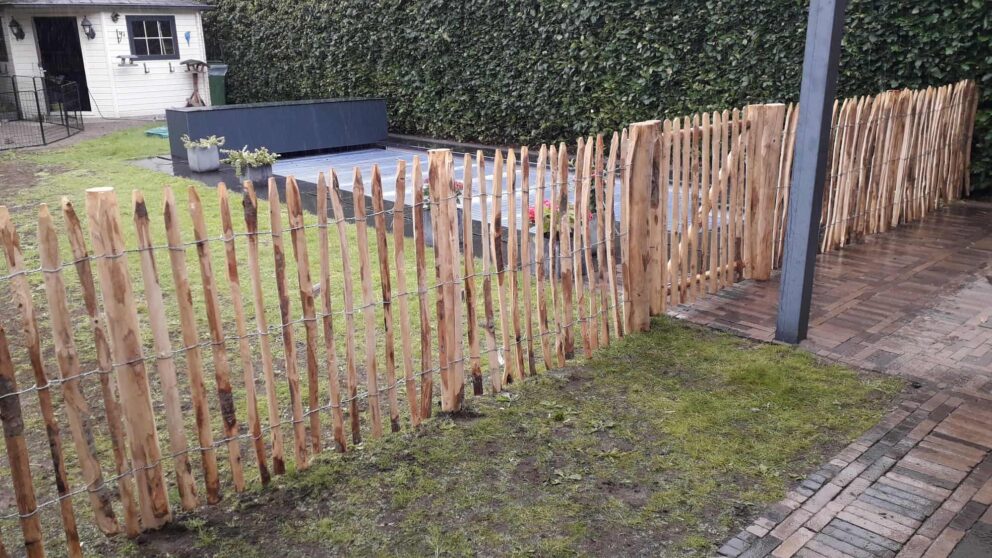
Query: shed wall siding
[[115, 90]]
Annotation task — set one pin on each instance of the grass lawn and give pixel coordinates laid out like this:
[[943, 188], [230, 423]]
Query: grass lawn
[[661, 445]]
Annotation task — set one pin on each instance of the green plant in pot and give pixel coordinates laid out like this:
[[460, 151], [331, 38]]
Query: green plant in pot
[[255, 165], [203, 154]]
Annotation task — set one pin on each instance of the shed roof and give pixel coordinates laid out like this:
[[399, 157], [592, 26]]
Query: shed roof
[[192, 4]]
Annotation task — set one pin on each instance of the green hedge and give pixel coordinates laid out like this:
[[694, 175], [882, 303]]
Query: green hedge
[[500, 71]]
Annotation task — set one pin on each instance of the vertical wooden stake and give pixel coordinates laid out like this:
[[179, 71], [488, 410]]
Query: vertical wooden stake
[[539, 248], [603, 316], [122, 319], [327, 320], [512, 264], [578, 241], [567, 255], [457, 294], [241, 325], [492, 347], [589, 286], [734, 159], [288, 339], [18, 458], [294, 207], [554, 251], [351, 377], [165, 364], [611, 243], [468, 246], [368, 300], [222, 369], [688, 212], [706, 184], [692, 207], [713, 204], [664, 171], [382, 249], [525, 257], [496, 250], [250, 205], [675, 271], [191, 339], [419, 211], [399, 223]]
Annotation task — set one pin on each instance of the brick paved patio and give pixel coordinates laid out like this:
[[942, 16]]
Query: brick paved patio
[[915, 302]]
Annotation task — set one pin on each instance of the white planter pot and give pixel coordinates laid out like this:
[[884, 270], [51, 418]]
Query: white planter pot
[[203, 159]]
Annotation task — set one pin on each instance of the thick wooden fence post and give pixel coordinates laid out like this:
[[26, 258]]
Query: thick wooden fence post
[[642, 175], [764, 148], [108, 388], [122, 319], [446, 241]]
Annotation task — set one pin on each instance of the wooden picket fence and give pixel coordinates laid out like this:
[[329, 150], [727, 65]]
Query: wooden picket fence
[[894, 158], [578, 247]]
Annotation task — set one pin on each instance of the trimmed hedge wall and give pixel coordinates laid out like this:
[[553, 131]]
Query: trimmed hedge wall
[[499, 71]]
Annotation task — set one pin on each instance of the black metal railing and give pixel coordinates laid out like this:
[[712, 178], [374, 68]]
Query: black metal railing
[[37, 111]]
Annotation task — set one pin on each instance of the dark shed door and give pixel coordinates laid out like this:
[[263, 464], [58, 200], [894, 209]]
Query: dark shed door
[[60, 53]]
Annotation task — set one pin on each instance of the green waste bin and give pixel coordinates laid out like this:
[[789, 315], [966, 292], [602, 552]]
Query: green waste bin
[[218, 92]]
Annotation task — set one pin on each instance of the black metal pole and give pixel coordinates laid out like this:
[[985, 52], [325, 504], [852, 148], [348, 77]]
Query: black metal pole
[[41, 118], [64, 112], [17, 98], [816, 97]]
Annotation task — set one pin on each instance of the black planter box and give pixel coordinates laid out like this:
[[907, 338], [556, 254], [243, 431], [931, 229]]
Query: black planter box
[[284, 127]]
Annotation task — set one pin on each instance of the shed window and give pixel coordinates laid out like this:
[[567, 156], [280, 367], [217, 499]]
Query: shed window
[[153, 37]]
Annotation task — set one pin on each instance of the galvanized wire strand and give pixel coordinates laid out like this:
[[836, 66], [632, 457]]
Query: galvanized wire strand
[[277, 328]]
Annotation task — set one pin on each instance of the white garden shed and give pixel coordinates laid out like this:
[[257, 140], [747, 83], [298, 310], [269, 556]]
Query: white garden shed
[[127, 57]]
